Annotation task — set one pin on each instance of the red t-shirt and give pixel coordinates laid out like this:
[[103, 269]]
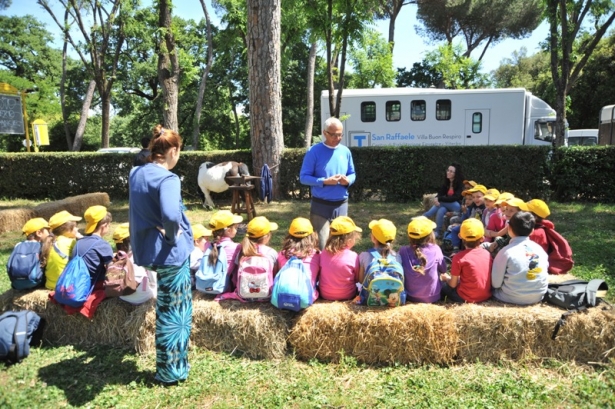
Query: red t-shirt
[[473, 267]]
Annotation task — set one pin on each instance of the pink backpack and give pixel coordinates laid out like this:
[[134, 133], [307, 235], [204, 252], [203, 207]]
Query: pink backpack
[[254, 278]]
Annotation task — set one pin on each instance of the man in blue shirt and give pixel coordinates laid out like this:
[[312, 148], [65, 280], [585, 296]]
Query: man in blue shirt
[[329, 170]]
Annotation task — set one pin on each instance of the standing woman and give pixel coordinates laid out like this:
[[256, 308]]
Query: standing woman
[[448, 198], [161, 237]]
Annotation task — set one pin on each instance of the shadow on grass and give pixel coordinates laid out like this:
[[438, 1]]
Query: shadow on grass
[[85, 376]]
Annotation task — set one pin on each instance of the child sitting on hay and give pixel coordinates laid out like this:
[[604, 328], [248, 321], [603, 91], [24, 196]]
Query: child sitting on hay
[[201, 237], [223, 225], [519, 272], [100, 253], [422, 261], [470, 278], [302, 243], [59, 245], [511, 206], [146, 279], [383, 235], [339, 265], [258, 236]]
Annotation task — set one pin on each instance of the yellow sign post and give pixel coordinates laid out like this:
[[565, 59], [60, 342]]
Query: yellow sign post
[[40, 130]]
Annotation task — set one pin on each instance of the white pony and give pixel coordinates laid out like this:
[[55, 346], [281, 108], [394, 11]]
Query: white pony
[[212, 178]]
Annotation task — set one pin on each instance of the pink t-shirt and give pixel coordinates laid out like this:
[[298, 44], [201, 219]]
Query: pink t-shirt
[[312, 262], [339, 274]]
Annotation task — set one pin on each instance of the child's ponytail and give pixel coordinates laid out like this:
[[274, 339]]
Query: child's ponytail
[[216, 236]]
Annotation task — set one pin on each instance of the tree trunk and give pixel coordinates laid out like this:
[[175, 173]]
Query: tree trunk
[[330, 65], [168, 67], [235, 115], [265, 85], [196, 130], [105, 102], [309, 115], [69, 139], [85, 109]]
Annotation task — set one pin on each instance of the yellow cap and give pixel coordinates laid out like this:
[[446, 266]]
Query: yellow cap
[[492, 194], [300, 227], [470, 182], [93, 215], [259, 227], [62, 217], [34, 225], [478, 188], [343, 225], [516, 202], [198, 231], [504, 196], [472, 229], [121, 233], [539, 208], [223, 219], [383, 230], [420, 227]]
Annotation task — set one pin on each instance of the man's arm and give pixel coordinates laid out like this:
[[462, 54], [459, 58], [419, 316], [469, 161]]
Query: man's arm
[[307, 174], [498, 269]]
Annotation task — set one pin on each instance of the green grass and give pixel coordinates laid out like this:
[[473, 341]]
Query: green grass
[[107, 377]]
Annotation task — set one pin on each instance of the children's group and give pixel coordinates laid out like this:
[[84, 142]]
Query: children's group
[[501, 247]]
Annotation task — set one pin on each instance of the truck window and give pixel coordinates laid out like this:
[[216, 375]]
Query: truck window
[[418, 110], [543, 131], [368, 111], [393, 111], [443, 109], [477, 122]]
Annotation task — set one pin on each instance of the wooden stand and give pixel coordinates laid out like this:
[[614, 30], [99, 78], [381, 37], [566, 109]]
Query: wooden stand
[[242, 190]]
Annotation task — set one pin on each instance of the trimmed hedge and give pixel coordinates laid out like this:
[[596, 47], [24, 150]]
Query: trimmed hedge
[[394, 173]]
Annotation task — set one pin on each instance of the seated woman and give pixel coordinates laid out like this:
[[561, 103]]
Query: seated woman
[[448, 198]]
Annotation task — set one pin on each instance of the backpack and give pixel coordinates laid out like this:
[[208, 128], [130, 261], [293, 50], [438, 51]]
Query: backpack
[[24, 266], [560, 253], [383, 284], [213, 279], [575, 296], [292, 287], [120, 277], [254, 278], [74, 285], [17, 330]]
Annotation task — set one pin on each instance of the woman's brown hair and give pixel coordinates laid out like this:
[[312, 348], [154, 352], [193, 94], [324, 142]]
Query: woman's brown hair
[[162, 140]]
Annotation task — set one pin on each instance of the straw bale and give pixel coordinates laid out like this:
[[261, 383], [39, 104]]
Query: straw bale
[[256, 330], [6, 300], [428, 200], [414, 333], [62, 329], [141, 327], [494, 331], [14, 219], [75, 205]]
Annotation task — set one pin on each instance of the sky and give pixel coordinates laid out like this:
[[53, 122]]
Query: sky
[[409, 47]]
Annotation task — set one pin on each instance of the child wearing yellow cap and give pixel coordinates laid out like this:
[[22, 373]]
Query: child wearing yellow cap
[[474, 211], [470, 277], [511, 206], [59, 245], [95, 250], [201, 236], [223, 226], [22, 264], [301, 242], [383, 234], [146, 279], [258, 236], [339, 265], [422, 261]]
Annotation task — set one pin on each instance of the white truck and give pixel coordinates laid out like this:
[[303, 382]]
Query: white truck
[[607, 125], [582, 137], [428, 116]]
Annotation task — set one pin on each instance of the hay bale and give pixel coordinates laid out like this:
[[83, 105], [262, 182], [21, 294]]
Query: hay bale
[[105, 329], [256, 330], [494, 331], [414, 333], [75, 205], [428, 200], [14, 219], [141, 327], [6, 300]]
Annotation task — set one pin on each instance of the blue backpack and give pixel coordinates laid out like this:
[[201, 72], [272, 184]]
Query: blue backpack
[[383, 284], [292, 287], [213, 279], [24, 266], [266, 184], [74, 285], [16, 332]]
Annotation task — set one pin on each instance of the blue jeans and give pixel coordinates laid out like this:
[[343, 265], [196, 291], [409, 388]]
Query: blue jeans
[[439, 212]]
